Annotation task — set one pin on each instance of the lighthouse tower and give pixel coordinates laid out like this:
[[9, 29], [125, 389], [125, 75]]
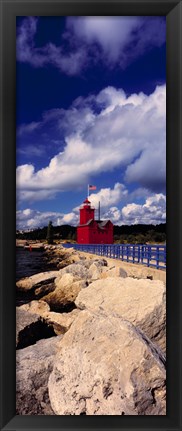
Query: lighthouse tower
[[86, 212], [91, 231]]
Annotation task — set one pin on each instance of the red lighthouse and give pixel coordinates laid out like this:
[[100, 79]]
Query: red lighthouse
[[91, 231]]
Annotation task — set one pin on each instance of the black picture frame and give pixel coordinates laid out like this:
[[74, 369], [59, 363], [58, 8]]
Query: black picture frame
[[173, 12]]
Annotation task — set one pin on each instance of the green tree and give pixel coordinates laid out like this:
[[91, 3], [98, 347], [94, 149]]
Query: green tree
[[69, 237], [140, 238], [131, 239], [50, 233]]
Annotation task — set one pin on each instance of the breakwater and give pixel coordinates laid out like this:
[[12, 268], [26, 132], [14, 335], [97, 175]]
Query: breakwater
[[91, 338]]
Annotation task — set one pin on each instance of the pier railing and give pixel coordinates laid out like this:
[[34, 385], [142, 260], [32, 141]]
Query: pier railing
[[149, 255]]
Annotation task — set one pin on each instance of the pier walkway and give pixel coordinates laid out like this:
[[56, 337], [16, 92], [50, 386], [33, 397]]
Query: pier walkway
[[149, 255]]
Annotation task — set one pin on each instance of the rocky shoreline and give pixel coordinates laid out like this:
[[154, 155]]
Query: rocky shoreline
[[91, 338]]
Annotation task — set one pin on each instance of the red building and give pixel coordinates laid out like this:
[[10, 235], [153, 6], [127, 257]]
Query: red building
[[91, 231]]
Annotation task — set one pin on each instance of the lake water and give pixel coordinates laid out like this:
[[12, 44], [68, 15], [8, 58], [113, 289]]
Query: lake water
[[30, 262]]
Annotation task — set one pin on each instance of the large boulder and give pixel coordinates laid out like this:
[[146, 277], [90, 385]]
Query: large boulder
[[135, 270], [25, 323], [65, 293], [115, 271], [95, 271], [33, 367], [142, 302], [30, 328], [37, 285], [99, 262], [60, 322], [85, 269], [76, 269], [105, 366], [61, 256], [41, 308], [64, 279], [67, 260]]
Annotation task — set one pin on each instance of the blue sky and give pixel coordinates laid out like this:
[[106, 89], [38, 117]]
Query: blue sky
[[91, 109]]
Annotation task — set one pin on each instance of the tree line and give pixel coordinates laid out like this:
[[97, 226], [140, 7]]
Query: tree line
[[131, 234], [140, 234]]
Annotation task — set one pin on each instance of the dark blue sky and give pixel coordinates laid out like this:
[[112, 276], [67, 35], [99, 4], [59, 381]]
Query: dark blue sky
[[90, 108]]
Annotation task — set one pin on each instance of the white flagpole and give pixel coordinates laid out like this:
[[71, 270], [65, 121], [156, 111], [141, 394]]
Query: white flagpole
[[88, 190]]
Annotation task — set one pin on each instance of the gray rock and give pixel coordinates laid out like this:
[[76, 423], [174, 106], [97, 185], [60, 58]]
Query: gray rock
[[33, 367], [94, 272], [30, 328], [60, 322], [76, 269], [98, 262], [85, 269], [116, 271], [25, 321]]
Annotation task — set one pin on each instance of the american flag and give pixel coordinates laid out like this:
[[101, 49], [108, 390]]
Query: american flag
[[92, 187]]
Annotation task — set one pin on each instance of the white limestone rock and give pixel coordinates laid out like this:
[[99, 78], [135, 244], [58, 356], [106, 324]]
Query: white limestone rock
[[65, 292], [37, 281], [106, 367], [60, 322], [142, 302]]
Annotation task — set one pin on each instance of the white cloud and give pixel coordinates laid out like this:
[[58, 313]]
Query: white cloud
[[114, 40], [113, 214], [126, 133], [149, 169], [28, 128], [32, 219], [31, 150], [110, 33], [152, 212], [35, 195], [108, 196], [120, 39], [70, 218], [25, 40], [70, 63], [26, 172]]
